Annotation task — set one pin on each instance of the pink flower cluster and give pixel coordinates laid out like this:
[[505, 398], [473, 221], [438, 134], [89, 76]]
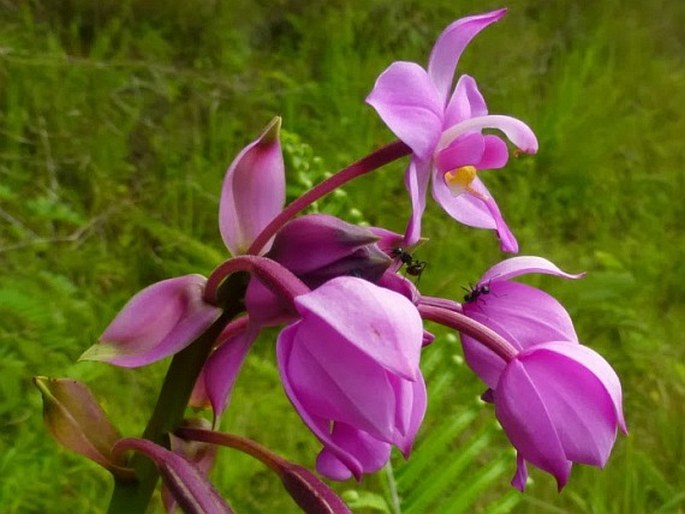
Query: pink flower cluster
[[349, 352]]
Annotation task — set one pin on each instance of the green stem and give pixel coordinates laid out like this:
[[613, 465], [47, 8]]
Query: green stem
[[394, 496], [134, 497]]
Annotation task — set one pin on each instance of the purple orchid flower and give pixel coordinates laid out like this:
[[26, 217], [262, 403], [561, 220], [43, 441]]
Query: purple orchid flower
[[559, 403], [350, 366], [523, 315], [253, 192], [444, 132], [159, 321]]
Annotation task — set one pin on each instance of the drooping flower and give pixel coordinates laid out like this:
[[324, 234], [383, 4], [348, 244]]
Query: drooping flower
[[559, 403], [159, 321], [524, 315], [444, 132], [253, 191], [350, 366]]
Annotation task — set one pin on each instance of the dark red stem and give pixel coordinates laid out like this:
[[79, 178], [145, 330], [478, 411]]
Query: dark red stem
[[487, 337], [371, 162]]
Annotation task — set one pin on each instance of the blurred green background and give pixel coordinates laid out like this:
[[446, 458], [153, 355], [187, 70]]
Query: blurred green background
[[118, 119]]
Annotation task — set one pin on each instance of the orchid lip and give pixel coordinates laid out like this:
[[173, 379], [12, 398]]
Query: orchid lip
[[459, 181]]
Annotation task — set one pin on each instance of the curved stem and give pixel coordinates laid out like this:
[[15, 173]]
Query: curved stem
[[248, 446], [486, 336], [371, 162], [276, 277], [443, 303]]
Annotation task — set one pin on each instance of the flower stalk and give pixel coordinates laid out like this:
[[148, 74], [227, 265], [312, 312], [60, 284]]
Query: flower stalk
[[371, 162], [274, 276], [466, 325]]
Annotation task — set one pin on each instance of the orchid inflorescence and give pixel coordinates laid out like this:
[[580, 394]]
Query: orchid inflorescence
[[349, 352]]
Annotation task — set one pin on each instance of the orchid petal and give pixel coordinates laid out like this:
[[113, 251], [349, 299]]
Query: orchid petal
[[522, 265], [223, 365], [412, 401], [466, 102], [521, 475], [253, 191], [370, 452], [473, 211], [318, 425], [507, 240], [601, 369], [582, 412], [521, 410], [416, 181], [466, 150], [406, 100], [266, 308], [329, 465], [465, 208], [495, 154], [402, 285], [381, 323], [450, 45], [158, 321], [518, 132], [524, 315], [327, 389], [317, 240]]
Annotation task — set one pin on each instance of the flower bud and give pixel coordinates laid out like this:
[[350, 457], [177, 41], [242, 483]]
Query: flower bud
[[187, 484], [76, 420], [253, 192]]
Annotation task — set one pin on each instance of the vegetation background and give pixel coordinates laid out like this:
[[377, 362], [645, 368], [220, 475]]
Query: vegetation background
[[118, 119]]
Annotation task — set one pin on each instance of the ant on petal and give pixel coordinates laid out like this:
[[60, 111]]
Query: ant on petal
[[476, 292], [414, 267]]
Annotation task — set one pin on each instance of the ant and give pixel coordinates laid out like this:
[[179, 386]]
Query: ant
[[476, 292], [415, 267]]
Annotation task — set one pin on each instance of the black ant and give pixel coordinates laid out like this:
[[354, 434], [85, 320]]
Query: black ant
[[414, 267], [475, 292]]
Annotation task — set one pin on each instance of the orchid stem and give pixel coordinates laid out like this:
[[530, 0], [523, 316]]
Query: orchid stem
[[371, 162], [185, 367], [281, 281], [395, 505], [247, 446], [484, 335]]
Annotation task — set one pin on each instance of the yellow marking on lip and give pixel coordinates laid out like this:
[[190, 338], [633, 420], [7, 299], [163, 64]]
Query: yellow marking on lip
[[459, 180]]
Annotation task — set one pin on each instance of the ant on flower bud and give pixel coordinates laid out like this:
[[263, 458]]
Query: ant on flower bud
[[475, 292], [414, 266]]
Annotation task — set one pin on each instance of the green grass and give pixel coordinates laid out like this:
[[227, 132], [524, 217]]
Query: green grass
[[118, 121]]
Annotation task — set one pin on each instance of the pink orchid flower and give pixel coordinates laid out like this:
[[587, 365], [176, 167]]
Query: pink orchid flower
[[524, 315], [444, 132], [559, 403], [350, 366]]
